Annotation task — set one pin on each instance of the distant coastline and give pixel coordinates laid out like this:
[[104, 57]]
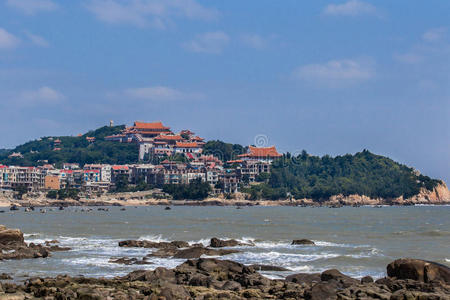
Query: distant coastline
[[439, 196]]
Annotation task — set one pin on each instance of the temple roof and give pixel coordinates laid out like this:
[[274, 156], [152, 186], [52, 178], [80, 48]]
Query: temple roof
[[261, 152], [187, 145], [154, 125], [169, 137]]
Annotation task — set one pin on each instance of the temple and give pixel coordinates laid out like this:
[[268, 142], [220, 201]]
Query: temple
[[156, 139], [260, 153]]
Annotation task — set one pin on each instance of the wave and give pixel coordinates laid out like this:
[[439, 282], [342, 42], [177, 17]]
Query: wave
[[153, 238]]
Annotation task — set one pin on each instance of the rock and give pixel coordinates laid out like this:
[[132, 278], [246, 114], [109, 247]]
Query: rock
[[197, 252], [420, 270], [4, 276], [322, 291], [366, 279], [308, 278], [12, 246], [130, 261], [218, 243], [335, 275], [8, 236], [49, 243], [172, 291], [157, 245], [13, 207], [268, 268], [302, 242], [167, 208]]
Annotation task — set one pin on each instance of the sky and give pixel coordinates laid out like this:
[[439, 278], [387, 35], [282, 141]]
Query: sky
[[330, 77]]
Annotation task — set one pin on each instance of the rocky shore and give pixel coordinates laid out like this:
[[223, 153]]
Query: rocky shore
[[440, 195], [212, 278]]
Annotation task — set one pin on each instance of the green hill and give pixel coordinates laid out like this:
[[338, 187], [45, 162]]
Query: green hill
[[74, 150], [302, 176], [364, 173]]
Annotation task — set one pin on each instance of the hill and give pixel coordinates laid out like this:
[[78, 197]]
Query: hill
[[364, 173], [301, 176], [74, 150]]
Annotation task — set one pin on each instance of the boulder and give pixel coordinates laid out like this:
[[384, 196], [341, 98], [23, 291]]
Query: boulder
[[157, 245], [258, 267], [129, 261], [308, 278], [323, 291], [341, 279], [420, 270], [197, 252], [366, 279], [302, 242], [218, 243], [9, 236]]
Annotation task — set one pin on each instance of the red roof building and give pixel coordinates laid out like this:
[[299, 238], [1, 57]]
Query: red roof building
[[263, 153]]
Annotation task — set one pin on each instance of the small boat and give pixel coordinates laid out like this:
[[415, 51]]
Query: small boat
[[168, 208], [14, 207]]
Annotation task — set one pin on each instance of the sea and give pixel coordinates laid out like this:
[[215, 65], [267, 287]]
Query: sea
[[358, 241]]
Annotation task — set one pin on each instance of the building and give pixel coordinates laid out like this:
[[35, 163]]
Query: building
[[156, 139], [260, 153], [52, 182], [250, 169], [191, 147], [231, 181], [31, 178], [118, 171]]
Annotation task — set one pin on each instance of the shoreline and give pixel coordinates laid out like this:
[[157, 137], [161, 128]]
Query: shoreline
[[194, 203]]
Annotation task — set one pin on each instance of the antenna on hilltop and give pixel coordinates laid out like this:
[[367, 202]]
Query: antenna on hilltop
[[111, 123]]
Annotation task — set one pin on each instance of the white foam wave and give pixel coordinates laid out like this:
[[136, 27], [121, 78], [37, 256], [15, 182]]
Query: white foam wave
[[154, 238]]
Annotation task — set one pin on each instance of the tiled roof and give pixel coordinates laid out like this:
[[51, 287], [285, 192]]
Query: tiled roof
[[261, 152], [154, 125], [169, 137], [118, 167], [187, 145]]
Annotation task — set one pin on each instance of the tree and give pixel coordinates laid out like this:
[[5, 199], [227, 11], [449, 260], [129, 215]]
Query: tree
[[20, 191], [52, 194]]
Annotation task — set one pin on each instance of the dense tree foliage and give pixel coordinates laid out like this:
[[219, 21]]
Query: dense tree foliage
[[196, 190], [75, 150], [306, 176], [64, 194], [4, 151], [222, 150]]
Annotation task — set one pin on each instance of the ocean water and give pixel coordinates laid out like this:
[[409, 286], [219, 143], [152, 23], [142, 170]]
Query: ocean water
[[357, 241]]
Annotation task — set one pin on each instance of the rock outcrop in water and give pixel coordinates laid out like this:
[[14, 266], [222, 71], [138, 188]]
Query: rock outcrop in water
[[208, 278], [13, 246], [176, 249], [218, 243]]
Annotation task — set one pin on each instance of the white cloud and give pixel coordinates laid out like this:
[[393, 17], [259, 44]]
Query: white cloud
[[159, 93], [31, 7], [409, 58], [256, 41], [155, 13], [43, 95], [210, 42], [434, 34], [336, 73], [7, 40], [350, 8], [37, 40]]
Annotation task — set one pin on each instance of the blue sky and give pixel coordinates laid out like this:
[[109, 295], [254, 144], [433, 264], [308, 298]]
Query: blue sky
[[331, 77]]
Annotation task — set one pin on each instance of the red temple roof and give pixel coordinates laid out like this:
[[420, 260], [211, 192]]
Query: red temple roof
[[119, 167], [154, 125], [187, 145], [163, 137], [261, 152]]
